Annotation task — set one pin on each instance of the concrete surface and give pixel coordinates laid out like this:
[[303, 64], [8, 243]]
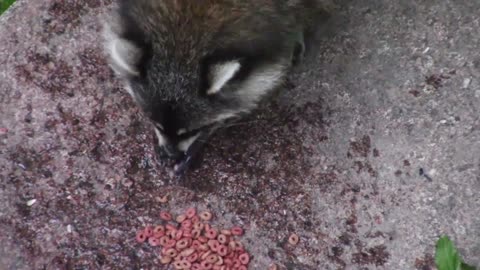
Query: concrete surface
[[394, 89]]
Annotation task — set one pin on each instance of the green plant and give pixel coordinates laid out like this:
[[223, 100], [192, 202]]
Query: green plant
[[4, 4], [447, 257]]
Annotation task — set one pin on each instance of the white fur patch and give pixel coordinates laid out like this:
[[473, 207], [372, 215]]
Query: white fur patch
[[224, 116], [161, 140], [260, 83], [221, 74], [185, 144], [129, 90], [181, 131], [123, 54]]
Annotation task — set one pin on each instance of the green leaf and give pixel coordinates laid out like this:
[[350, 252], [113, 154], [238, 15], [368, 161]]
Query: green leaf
[[467, 267], [4, 4], [446, 256]]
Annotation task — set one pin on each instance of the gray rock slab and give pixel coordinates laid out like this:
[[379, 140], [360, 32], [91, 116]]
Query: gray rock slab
[[391, 89]]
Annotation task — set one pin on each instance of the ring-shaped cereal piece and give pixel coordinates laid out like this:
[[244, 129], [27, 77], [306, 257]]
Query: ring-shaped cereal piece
[[171, 252], [141, 237], [212, 258], [293, 239], [237, 231], [180, 218], [178, 235], [244, 258], [158, 229], [206, 265], [165, 216], [165, 260], [213, 244], [193, 257], [222, 238], [182, 244], [211, 234], [152, 241], [148, 231], [222, 250], [206, 216], [170, 243], [191, 212]]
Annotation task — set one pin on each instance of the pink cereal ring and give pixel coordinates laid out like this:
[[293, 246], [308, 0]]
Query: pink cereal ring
[[180, 218], [244, 258], [158, 229], [196, 233], [170, 227], [220, 261], [178, 265], [196, 266], [222, 250], [152, 241], [187, 252], [211, 234], [178, 235], [203, 239], [206, 216], [187, 223], [141, 237], [203, 247], [213, 244], [228, 262], [148, 231], [195, 244], [195, 219], [171, 252], [170, 243], [198, 226], [223, 239], [163, 240], [165, 216], [237, 231], [182, 244], [186, 264], [206, 265], [226, 232], [206, 254], [242, 267], [212, 258], [191, 212], [193, 257], [187, 234]]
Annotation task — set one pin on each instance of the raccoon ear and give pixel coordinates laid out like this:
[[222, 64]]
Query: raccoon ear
[[124, 56], [220, 74]]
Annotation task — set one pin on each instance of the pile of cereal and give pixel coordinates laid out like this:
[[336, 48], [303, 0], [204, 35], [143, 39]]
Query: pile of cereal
[[190, 242]]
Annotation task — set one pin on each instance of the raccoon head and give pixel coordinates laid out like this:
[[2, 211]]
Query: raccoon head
[[190, 79]]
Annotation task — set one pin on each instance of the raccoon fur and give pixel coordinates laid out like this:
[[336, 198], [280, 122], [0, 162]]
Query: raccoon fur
[[192, 65]]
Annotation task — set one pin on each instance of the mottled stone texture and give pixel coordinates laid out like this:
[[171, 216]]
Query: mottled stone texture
[[392, 89]]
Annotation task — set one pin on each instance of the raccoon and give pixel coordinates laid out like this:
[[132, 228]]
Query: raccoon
[[192, 65]]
